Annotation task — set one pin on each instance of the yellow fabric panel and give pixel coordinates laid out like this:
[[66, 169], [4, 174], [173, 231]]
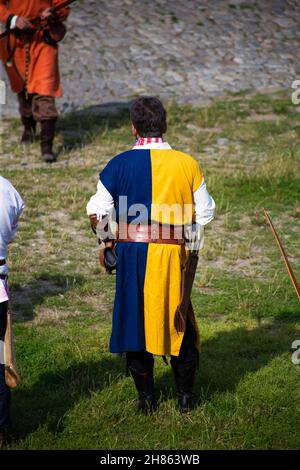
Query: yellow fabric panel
[[162, 291], [175, 176], [198, 177]]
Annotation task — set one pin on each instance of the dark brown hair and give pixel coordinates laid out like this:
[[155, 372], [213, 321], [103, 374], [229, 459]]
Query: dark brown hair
[[149, 116]]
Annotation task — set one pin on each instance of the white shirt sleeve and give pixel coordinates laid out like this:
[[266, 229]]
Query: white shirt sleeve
[[11, 207], [13, 22], [204, 205], [101, 203]]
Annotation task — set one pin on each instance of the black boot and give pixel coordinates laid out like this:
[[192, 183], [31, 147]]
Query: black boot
[[145, 386], [140, 366], [29, 130], [47, 137], [184, 378], [184, 367], [5, 439]]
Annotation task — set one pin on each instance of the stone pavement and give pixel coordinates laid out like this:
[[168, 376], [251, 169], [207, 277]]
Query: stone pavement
[[186, 50]]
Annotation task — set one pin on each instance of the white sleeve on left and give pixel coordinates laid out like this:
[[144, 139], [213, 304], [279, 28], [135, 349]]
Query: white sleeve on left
[[11, 207], [204, 205], [101, 203]]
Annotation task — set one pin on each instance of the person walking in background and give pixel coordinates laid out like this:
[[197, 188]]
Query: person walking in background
[[30, 57]]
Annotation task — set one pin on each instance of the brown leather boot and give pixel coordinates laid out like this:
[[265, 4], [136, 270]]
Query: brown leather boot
[[47, 137], [29, 130]]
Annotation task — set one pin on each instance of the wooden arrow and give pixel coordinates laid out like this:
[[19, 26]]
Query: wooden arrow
[[283, 254], [12, 377]]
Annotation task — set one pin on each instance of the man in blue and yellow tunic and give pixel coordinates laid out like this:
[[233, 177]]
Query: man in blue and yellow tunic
[[153, 192]]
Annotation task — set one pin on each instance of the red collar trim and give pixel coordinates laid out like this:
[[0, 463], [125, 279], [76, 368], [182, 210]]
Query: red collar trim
[[148, 140]]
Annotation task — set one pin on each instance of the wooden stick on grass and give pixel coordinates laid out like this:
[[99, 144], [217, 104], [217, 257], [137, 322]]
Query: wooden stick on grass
[[283, 254]]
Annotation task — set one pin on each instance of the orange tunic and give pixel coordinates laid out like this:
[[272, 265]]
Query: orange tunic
[[43, 70]]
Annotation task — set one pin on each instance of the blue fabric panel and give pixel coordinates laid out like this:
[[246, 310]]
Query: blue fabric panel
[[129, 174], [128, 316]]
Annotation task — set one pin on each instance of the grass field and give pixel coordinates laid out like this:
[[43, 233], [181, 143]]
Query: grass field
[[74, 393]]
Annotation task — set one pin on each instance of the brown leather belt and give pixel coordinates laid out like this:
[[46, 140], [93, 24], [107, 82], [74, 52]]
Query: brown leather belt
[[154, 233], [2, 262]]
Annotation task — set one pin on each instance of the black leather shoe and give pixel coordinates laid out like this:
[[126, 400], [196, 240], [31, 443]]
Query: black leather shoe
[[147, 404], [186, 402], [5, 439]]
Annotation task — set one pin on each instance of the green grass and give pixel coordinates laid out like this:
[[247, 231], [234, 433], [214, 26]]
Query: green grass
[[74, 393]]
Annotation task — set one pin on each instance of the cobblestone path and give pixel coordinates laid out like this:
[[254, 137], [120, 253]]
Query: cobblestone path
[[186, 50]]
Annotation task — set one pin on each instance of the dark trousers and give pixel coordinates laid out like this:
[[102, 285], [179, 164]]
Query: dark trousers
[[41, 108], [142, 362], [4, 389]]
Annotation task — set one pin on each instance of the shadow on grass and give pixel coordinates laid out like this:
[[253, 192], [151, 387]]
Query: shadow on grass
[[288, 316], [231, 355], [81, 127], [27, 297], [225, 360], [55, 393]]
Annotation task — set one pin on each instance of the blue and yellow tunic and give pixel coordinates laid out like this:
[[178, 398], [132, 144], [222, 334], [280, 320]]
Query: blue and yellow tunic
[[148, 280]]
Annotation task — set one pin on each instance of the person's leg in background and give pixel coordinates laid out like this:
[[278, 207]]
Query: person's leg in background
[[184, 368], [25, 108], [140, 364], [44, 111], [4, 389]]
